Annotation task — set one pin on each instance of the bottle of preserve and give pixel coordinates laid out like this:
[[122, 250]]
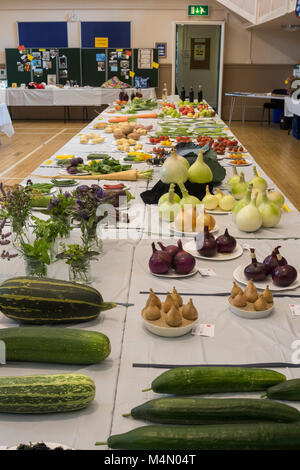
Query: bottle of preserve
[[191, 95], [182, 93], [164, 94], [200, 94]]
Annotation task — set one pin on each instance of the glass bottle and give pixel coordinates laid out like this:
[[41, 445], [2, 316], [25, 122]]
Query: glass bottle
[[164, 94], [182, 93], [200, 93], [191, 95]]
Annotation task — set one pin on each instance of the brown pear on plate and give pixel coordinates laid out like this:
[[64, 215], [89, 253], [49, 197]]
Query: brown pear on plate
[[267, 295], [154, 299], [173, 317], [189, 311], [235, 290], [151, 312], [240, 301], [169, 301], [177, 297], [251, 292], [260, 304]]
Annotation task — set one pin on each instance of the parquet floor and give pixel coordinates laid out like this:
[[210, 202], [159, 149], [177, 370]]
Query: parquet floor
[[276, 152]]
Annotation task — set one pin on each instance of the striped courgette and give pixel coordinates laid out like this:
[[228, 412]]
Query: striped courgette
[[45, 393], [47, 301]]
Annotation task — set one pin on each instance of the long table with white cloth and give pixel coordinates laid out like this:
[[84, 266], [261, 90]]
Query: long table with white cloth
[[138, 356], [72, 96]]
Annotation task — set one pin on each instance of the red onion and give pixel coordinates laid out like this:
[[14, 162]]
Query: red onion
[[183, 261], [172, 250], [271, 261], [255, 270], [285, 275], [159, 262], [225, 243], [206, 244]]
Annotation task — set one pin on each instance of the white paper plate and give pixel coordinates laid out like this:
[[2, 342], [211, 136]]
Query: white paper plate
[[217, 212], [173, 275], [239, 276], [168, 332], [191, 248], [245, 164], [52, 445], [250, 315], [189, 234]]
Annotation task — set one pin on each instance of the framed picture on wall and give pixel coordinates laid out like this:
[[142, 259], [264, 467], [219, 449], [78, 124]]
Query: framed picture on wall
[[200, 53]]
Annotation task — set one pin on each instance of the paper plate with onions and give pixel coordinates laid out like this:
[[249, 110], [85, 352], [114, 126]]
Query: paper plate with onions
[[240, 277], [274, 271], [222, 248], [236, 253], [171, 261]]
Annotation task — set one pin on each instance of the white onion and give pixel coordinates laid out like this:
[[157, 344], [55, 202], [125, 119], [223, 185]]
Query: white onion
[[249, 219]]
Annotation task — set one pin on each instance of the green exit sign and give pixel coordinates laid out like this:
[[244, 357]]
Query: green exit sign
[[198, 10]]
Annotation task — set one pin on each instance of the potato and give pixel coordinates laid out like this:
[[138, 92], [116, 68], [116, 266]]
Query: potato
[[108, 130], [118, 135], [134, 136], [131, 141], [127, 128]]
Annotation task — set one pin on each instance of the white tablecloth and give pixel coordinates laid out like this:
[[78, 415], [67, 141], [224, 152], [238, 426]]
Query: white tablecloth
[[292, 106], [67, 96], [120, 275], [5, 121]]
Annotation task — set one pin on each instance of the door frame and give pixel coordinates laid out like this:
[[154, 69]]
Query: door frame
[[221, 59]]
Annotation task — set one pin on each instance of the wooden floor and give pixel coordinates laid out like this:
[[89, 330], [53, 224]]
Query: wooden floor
[[276, 152]]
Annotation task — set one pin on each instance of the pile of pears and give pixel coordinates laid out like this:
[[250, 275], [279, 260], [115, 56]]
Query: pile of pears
[[172, 310], [250, 297]]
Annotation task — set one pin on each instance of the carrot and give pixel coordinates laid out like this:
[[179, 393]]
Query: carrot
[[138, 116], [119, 119], [144, 116]]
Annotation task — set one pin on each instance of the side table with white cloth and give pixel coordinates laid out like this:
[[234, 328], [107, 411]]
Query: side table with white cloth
[[5, 121], [66, 97]]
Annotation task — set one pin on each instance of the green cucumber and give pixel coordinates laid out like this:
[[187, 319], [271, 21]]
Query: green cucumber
[[199, 380], [213, 411], [253, 436], [45, 393], [54, 345], [288, 390]]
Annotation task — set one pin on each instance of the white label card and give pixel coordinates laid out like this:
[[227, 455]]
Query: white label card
[[207, 272], [295, 309], [204, 329]]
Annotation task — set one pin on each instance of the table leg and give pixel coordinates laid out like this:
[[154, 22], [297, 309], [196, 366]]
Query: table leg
[[232, 103], [243, 110]]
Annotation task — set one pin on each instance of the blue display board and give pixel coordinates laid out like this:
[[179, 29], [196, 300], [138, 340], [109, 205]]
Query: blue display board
[[297, 10], [117, 32], [43, 33]]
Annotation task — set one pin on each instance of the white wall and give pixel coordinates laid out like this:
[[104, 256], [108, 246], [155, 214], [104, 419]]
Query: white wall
[[151, 22]]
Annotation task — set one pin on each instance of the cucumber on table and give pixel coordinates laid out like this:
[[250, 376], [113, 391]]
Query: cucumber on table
[[253, 436], [213, 411], [54, 345], [45, 393], [288, 390], [201, 380]]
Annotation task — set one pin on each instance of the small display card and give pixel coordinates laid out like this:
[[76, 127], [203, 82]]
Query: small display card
[[204, 329]]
